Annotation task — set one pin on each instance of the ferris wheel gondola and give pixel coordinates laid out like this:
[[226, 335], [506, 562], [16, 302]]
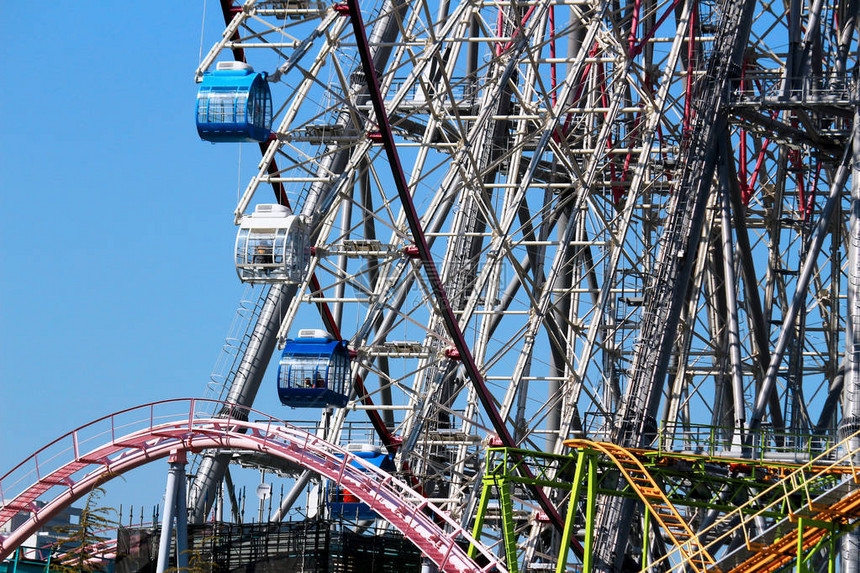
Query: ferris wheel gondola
[[234, 104], [342, 502], [314, 371], [272, 246]]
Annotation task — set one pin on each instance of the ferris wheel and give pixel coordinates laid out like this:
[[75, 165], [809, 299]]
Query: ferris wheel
[[516, 223]]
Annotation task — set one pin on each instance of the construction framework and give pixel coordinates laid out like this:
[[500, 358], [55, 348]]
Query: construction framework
[[748, 515], [536, 221], [533, 221]]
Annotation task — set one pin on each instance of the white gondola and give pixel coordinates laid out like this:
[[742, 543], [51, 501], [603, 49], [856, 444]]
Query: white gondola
[[272, 246]]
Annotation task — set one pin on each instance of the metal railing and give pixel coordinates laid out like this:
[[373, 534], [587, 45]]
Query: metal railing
[[760, 444], [796, 493], [763, 443], [769, 88]]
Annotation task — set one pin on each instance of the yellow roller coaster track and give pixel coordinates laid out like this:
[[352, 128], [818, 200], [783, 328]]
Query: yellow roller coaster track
[[811, 520], [661, 509]]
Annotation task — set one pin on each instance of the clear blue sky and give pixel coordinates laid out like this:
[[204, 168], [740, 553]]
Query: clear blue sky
[[117, 285]]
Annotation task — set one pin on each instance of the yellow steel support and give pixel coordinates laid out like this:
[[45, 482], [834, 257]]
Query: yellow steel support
[[663, 512]]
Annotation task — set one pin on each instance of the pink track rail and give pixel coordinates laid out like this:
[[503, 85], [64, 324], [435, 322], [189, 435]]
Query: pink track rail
[[69, 467]]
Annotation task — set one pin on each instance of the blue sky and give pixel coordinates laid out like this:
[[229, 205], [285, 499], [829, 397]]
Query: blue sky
[[118, 284]]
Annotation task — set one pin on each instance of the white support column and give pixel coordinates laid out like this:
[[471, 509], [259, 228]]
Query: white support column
[[181, 511], [851, 389], [174, 506]]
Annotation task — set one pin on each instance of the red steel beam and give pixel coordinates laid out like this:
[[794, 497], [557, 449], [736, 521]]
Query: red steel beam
[[426, 257], [391, 442]]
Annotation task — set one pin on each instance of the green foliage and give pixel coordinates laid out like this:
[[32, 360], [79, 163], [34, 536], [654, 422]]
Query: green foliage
[[78, 549]]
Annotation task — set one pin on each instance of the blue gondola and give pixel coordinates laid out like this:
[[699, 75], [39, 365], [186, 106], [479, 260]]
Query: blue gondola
[[342, 503], [314, 371], [234, 104]]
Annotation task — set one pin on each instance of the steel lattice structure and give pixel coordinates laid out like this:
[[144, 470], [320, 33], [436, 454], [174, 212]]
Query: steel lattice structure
[[639, 214]]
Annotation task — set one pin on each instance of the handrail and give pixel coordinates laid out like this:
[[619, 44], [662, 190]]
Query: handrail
[[69, 474], [745, 514]]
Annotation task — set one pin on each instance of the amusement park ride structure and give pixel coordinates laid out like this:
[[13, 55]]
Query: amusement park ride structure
[[625, 228]]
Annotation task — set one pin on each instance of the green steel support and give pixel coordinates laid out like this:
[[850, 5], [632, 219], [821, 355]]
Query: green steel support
[[479, 519], [507, 506], [589, 513], [800, 568], [505, 467], [645, 519], [831, 559], [567, 533], [828, 541]]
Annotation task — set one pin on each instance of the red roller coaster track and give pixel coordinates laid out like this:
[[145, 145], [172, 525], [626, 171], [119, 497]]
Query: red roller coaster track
[[72, 465]]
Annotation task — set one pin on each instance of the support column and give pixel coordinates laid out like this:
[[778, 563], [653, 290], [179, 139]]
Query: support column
[[590, 513], [174, 506], [800, 568], [734, 339], [570, 521], [851, 387], [506, 506], [479, 518], [646, 562]]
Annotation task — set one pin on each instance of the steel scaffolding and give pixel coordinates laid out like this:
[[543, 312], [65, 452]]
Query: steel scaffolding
[[627, 222]]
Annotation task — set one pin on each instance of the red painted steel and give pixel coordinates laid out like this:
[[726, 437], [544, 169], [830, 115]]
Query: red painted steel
[[390, 441], [452, 325]]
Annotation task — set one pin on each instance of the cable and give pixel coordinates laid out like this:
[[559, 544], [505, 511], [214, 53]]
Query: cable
[[202, 28]]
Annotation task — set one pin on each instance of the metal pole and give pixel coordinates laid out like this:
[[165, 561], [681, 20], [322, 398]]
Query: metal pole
[[175, 477], [181, 513], [590, 514], [851, 385], [569, 522], [732, 302]]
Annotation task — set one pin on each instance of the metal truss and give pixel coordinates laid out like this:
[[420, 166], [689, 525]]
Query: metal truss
[[638, 214], [749, 515]]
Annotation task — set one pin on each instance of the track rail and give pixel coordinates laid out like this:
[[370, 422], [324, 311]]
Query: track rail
[[661, 509], [810, 519], [69, 467]]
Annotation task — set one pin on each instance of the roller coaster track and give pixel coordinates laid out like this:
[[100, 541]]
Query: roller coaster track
[[811, 518], [69, 467], [659, 506]]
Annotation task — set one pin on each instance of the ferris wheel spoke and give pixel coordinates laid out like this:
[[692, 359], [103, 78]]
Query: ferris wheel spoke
[[544, 147]]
